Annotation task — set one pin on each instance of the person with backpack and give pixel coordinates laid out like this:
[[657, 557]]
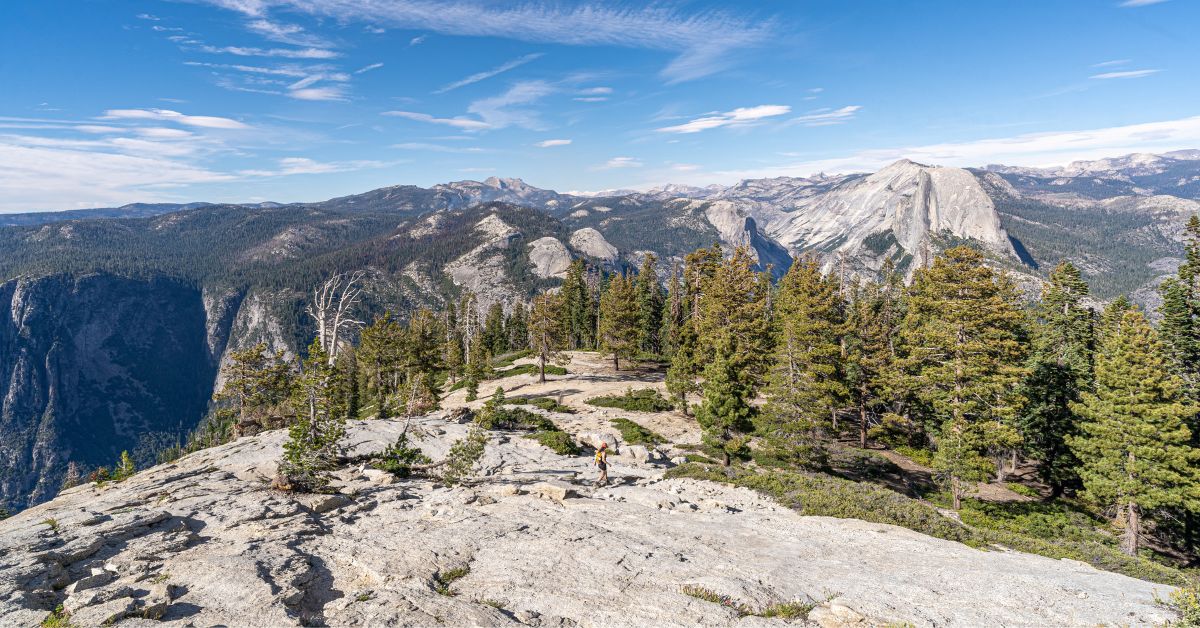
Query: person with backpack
[[602, 464]]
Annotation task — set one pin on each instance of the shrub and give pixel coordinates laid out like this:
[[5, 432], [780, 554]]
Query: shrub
[[1186, 601], [528, 369], [641, 400], [923, 457], [399, 458], [785, 610], [442, 581], [463, 455], [58, 618], [545, 403], [1021, 489], [560, 442], [635, 434]]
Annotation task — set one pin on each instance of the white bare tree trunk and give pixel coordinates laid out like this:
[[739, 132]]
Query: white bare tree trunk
[[332, 308]]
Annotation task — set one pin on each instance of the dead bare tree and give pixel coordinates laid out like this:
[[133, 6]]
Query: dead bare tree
[[332, 308]]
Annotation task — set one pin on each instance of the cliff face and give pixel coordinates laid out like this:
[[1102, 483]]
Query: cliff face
[[94, 365]]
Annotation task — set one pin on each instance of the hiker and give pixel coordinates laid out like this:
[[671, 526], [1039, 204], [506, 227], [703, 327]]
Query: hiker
[[602, 463]]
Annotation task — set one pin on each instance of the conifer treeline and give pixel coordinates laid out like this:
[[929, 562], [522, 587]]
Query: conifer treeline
[[954, 363]]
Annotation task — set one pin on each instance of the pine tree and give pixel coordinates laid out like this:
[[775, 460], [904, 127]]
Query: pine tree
[[618, 331], [687, 361], [547, 333], [579, 319], [477, 368], [1060, 369], [125, 467], [453, 353], [1180, 311], [958, 460], [725, 414], [963, 348], [311, 450], [872, 318], [380, 356], [255, 381], [732, 340], [673, 316], [1134, 443], [494, 336], [805, 384], [649, 297], [517, 328], [422, 362]]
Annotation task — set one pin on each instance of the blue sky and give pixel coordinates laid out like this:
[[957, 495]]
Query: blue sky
[[111, 101]]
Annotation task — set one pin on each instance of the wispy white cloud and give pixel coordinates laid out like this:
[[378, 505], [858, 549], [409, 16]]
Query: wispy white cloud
[[368, 68], [828, 117], [437, 148], [487, 74], [620, 162], [64, 177], [1031, 149], [208, 122], [147, 16], [286, 33], [286, 53], [704, 42], [550, 143], [466, 124], [333, 93], [1128, 74], [1140, 3], [289, 166], [508, 108], [1112, 64], [741, 116], [418, 40], [596, 91]]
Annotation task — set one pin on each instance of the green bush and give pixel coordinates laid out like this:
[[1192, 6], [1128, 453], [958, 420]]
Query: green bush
[[496, 416], [641, 400], [399, 458], [1021, 489], [785, 610], [545, 403], [560, 442], [923, 457], [528, 369], [1186, 601], [635, 434], [442, 581]]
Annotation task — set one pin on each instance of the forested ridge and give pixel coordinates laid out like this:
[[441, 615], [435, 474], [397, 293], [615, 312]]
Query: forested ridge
[[952, 369]]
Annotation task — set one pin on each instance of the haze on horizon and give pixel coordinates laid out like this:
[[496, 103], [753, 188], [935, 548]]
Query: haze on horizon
[[115, 101]]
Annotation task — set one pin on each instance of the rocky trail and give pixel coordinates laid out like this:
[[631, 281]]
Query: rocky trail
[[205, 541]]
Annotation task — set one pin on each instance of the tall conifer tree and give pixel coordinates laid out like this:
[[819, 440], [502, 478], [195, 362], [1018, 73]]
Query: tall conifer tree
[[1134, 443], [805, 383], [619, 332], [1060, 370]]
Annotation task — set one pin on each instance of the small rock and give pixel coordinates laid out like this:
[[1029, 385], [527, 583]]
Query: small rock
[[508, 490], [379, 477], [325, 503], [98, 578], [557, 491], [638, 452]]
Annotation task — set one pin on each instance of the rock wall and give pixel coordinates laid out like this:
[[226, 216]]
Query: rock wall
[[94, 365]]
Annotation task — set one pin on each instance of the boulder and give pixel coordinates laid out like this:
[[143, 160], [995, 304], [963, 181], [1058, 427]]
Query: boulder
[[595, 439], [552, 489]]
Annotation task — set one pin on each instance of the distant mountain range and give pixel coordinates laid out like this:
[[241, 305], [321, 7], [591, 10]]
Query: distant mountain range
[[117, 319]]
